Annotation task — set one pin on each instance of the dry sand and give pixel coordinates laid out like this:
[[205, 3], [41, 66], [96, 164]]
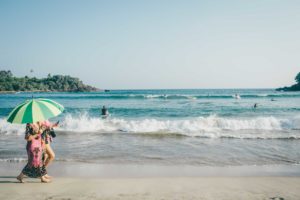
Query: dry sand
[[138, 182], [153, 188]]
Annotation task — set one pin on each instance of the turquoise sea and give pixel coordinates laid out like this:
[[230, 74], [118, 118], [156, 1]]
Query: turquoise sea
[[207, 127]]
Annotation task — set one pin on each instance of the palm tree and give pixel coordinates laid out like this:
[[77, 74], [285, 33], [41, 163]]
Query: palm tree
[[297, 78]]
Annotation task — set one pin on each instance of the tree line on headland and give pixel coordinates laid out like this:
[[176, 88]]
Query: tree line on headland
[[60, 83], [295, 87]]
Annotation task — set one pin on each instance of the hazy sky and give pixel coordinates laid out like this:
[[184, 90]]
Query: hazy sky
[[154, 44]]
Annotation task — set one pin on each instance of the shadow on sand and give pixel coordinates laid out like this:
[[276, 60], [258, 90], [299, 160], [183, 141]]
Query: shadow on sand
[[13, 179]]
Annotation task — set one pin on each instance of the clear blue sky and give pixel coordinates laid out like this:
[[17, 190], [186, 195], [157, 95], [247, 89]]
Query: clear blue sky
[[154, 44]]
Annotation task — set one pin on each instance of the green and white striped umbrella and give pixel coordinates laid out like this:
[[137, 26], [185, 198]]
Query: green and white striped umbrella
[[34, 110]]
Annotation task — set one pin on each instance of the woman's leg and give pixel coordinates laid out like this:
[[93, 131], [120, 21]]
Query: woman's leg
[[46, 156], [50, 155]]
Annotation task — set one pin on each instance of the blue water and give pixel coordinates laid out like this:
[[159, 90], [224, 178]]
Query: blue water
[[197, 127]]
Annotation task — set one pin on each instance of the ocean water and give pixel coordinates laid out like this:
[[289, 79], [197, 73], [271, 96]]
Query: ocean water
[[206, 127]]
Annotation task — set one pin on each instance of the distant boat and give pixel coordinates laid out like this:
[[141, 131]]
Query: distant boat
[[106, 90]]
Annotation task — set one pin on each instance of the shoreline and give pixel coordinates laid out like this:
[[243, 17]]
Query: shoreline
[[97, 170], [45, 91]]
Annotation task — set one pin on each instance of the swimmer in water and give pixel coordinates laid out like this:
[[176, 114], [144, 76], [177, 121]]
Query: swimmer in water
[[255, 106], [237, 96], [104, 112]]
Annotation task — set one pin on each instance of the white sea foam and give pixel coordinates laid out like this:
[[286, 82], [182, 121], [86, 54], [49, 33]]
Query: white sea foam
[[151, 96], [262, 95], [15, 160], [212, 126], [8, 128], [85, 123]]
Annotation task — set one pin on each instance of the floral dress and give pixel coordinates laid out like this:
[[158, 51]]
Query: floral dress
[[35, 150]]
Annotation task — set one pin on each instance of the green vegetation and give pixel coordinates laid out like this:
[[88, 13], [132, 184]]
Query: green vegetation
[[295, 87], [52, 83]]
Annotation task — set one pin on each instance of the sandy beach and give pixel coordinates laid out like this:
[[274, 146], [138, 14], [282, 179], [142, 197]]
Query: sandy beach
[[95, 181], [154, 188]]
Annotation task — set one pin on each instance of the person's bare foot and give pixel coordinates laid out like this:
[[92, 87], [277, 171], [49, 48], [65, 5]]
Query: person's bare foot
[[20, 178], [45, 180], [47, 176]]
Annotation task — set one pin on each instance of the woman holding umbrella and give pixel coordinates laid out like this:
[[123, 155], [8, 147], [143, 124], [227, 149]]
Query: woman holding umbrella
[[35, 150], [33, 112]]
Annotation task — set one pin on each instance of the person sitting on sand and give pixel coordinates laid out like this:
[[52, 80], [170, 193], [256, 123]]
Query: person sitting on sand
[[35, 167]]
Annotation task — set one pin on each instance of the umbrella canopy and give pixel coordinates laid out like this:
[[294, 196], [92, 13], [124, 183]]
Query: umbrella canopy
[[34, 110]]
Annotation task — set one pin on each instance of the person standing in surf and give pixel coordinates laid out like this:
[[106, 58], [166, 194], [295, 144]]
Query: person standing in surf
[[104, 112]]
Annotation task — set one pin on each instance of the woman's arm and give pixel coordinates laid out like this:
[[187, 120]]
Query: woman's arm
[[31, 137], [54, 125]]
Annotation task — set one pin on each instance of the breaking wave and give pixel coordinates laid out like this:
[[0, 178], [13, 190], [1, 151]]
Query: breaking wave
[[210, 127]]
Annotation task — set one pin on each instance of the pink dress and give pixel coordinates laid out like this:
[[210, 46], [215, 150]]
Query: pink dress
[[35, 151]]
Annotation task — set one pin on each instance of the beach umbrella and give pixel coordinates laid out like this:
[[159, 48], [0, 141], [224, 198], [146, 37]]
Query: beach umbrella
[[34, 110]]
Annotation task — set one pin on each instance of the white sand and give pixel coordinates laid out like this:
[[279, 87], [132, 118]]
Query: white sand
[[137, 182], [153, 188]]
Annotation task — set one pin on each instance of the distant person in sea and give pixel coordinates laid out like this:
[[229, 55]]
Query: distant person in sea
[[35, 167], [255, 105], [273, 99], [237, 96], [104, 112]]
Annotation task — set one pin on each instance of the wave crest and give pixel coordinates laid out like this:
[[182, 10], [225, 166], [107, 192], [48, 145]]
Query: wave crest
[[211, 127]]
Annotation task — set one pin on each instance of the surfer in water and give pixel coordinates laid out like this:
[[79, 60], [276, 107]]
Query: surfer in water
[[255, 106], [104, 112], [237, 96]]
